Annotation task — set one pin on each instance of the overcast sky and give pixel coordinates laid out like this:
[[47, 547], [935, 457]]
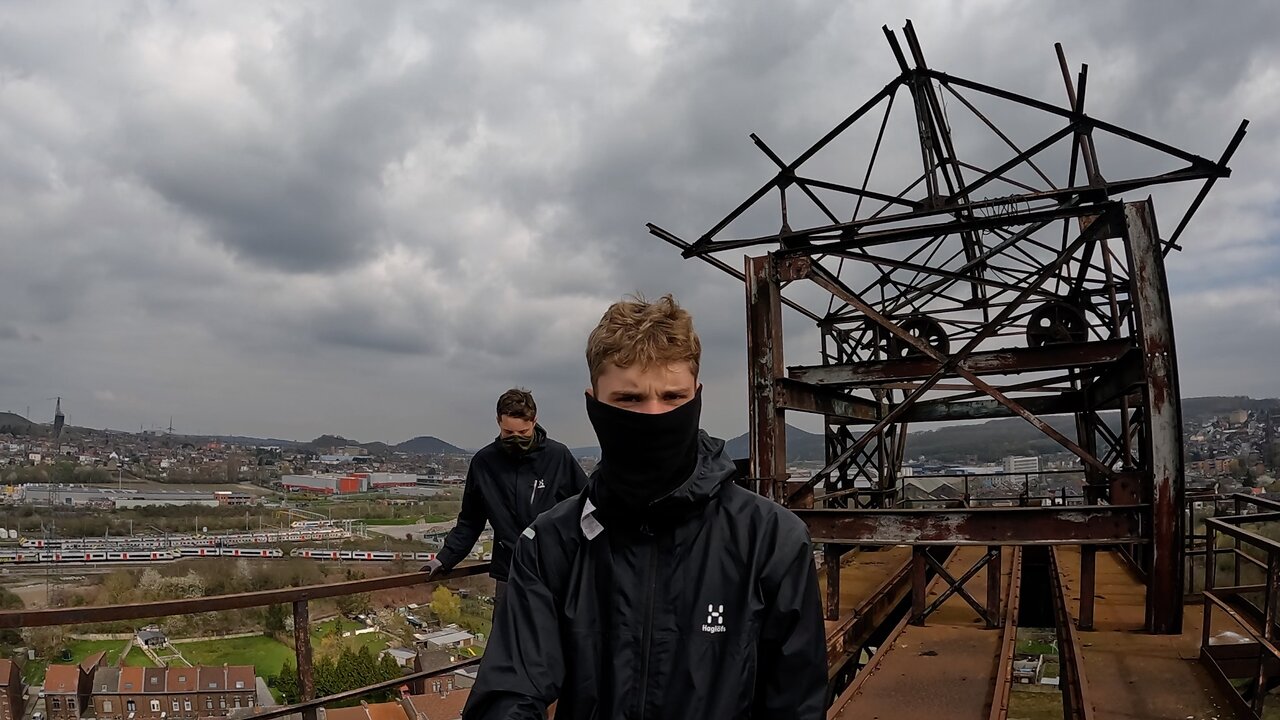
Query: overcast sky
[[284, 219]]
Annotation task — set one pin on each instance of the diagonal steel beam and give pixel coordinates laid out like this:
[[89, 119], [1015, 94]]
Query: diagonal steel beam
[[823, 278]]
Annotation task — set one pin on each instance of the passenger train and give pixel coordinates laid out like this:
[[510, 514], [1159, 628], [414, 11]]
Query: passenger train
[[182, 541]]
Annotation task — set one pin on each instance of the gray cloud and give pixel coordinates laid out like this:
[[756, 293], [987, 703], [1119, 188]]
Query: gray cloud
[[292, 219]]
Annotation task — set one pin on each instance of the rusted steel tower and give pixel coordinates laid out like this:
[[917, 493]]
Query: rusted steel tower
[[1000, 277]]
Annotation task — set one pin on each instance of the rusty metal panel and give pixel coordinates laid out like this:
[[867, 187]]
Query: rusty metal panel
[[1105, 524], [997, 362], [1154, 316], [764, 367], [838, 406]]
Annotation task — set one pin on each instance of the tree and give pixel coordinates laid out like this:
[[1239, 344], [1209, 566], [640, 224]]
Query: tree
[[48, 641], [287, 682], [118, 587], [274, 620], [446, 605], [357, 604]]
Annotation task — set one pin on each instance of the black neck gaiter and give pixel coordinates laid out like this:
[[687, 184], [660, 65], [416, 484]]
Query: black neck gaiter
[[644, 457]]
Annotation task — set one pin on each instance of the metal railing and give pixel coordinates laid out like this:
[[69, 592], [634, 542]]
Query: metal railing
[[1246, 661], [298, 597]]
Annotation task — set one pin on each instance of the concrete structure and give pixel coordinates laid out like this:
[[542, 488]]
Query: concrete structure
[[1022, 464], [327, 484], [91, 496], [403, 657], [450, 637]]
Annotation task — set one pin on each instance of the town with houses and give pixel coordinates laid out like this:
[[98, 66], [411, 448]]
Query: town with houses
[[150, 676]]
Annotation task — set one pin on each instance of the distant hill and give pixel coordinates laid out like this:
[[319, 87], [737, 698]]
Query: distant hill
[[996, 439], [328, 442], [801, 446], [428, 445], [13, 423], [1204, 408], [581, 452], [240, 440]]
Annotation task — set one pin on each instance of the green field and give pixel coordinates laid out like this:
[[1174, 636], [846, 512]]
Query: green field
[[81, 649], [266, 654], [33, 672], [376, 642]]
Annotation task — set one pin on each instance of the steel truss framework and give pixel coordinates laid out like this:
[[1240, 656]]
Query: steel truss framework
[[1020, 287]]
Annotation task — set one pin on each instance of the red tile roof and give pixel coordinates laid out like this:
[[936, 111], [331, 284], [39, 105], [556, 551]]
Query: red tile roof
[[63, 679], [212, 679], [6, 667], [442, 705], [387, 711], [131, 679], [346, 713], [181, 680], [93, 661], [240, 677], [153, 680]]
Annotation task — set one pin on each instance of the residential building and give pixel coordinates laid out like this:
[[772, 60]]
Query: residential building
[[11, 703], [444, 701], [1022, 464], [224, 689], [65, 692], [105, 692], [402, 656], [180, 686], [174, 693], [152, 637], [451, 636]]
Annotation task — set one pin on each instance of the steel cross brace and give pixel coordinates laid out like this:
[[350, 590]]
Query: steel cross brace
[[791, 268]]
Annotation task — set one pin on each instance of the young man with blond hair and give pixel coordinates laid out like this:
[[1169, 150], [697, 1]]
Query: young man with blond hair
[[664, 591]]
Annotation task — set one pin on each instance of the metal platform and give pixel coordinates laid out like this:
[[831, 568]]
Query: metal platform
[[948, 667], [1131, 674]]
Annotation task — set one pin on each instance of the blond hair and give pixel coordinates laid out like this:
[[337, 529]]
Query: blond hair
[[634, 331]]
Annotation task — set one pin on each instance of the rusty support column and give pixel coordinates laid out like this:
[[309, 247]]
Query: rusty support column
[[1088, 571], [1154, 317], [302, 647], [764, 367], [831, 563], [993, 587], [919, 583]]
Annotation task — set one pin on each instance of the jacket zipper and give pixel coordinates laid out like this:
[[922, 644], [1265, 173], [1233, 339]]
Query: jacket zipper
[[647, 636]]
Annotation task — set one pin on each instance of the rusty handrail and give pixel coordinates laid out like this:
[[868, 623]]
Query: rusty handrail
[[235, 601], [312, 705]]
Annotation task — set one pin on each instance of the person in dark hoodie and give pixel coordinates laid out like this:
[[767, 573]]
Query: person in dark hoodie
[[664, 591], [510, 482]]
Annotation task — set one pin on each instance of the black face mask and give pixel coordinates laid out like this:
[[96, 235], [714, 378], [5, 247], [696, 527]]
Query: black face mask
[[644, 457], [521, 445]]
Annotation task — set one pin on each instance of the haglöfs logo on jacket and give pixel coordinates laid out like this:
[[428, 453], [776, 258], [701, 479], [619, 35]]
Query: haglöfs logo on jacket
[[715, 620]]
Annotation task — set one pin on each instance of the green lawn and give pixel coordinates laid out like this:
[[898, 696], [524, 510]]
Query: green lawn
[[376, 642], [81, 649], [137, 658], [33, 672], [265, 654], [341, 624], [391, 521]]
